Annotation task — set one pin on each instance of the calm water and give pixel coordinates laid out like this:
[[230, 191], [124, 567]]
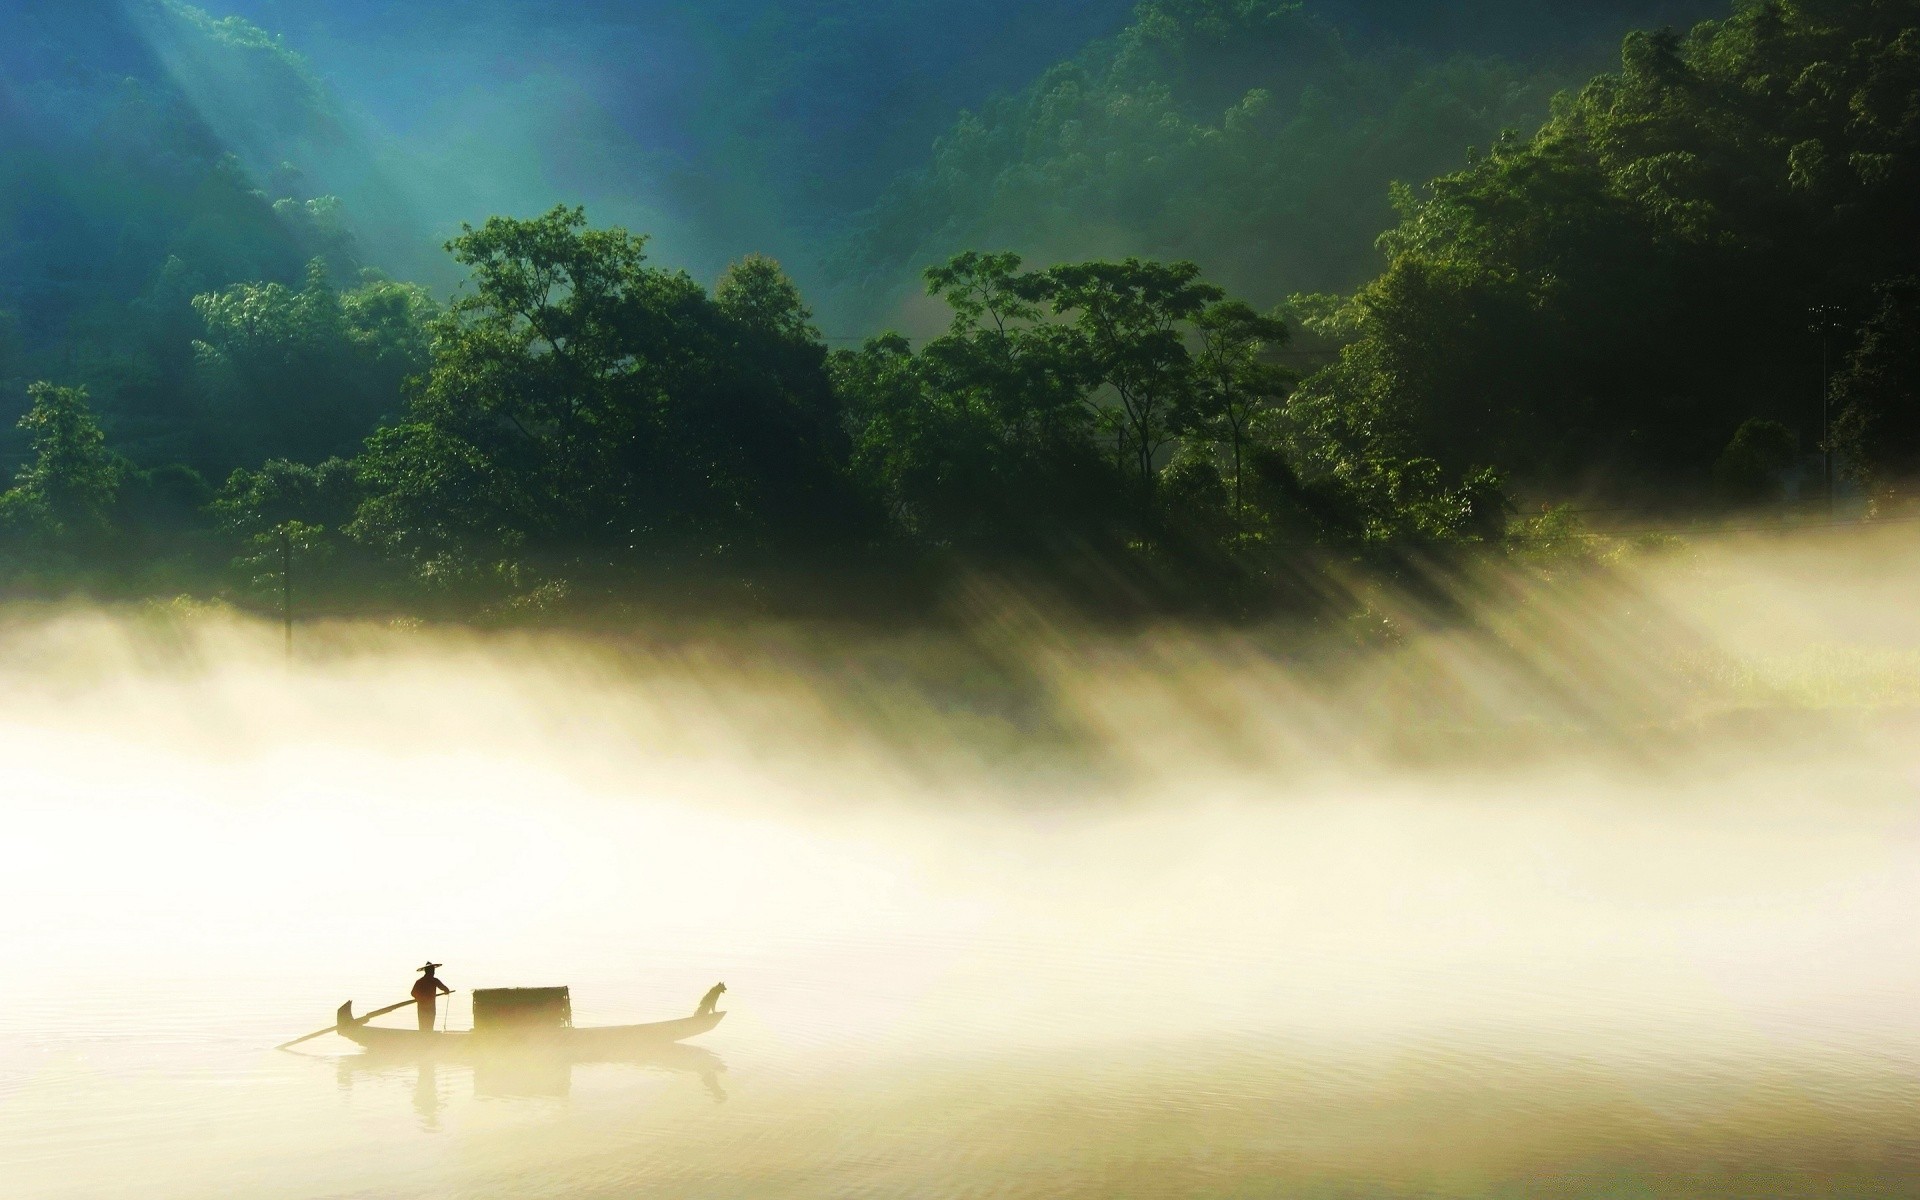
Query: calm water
[[1557, 978]]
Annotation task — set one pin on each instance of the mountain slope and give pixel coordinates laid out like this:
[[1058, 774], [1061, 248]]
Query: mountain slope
[[142, 149], [1258, 138]]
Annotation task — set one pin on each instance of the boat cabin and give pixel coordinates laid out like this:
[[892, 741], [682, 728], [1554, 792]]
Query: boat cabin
[[520, 1009]]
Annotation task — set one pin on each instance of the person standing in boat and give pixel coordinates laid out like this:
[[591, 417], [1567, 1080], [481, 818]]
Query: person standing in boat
[[426, 995]]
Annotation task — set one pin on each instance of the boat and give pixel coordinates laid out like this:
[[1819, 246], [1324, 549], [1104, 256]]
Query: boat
[[523, 1020]]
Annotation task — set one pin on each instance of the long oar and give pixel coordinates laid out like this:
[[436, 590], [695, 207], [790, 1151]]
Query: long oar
[[378, 1012]]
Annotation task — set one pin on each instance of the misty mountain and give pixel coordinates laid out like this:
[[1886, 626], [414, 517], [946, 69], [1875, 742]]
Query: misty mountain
[[1261, 140], [150, 154], [155, 152], [743, 125], [720, 129], [1510, 27], [1617, 305]]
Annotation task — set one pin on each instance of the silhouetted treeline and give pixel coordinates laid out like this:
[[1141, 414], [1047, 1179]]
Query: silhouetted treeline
[[581, 423]]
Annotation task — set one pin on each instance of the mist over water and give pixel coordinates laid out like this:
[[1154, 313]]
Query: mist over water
[[1604, 890]]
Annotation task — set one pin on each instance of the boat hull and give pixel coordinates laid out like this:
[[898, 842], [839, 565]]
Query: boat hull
[[580, 1045]]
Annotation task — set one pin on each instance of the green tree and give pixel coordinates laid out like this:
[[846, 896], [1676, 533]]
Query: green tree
[[311, 372], [279, 490], [1234, 386], [1253, 138], [1878, 395], [1749, 469], [757, 294], [1003, 357], [66, 492], [981, 443], [1129, 318], [588, 414], [1604, 301], [276, 561]]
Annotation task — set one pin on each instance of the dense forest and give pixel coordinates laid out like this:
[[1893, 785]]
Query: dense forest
[[1195, 348], [1257, 139]]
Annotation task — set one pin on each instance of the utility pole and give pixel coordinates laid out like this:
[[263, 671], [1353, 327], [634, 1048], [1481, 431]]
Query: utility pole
[[1824, 323], [1826, 426], [286, 586]]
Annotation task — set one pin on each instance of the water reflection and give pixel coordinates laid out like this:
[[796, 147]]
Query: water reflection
[[426, 1095], [508, 1073]]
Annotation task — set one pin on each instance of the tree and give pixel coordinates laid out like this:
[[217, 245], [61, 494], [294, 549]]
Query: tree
[[273, 560], [1251, 137], [285, 515], [1128, 317], [757, 294], [981, 443], [1749, 470], [1599, 305], [1233, 386], [1878, 393], [1002, 356], [279, 491], [67, 491], [306, 373], [588, 414]]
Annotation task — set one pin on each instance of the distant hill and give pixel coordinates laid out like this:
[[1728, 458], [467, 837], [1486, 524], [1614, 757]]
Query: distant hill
[[739, 125], [1260, 139], [149, 153]]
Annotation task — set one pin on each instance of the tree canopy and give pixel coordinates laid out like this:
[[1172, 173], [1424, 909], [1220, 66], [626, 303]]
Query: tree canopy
[[1694, 285], [1604, 305]]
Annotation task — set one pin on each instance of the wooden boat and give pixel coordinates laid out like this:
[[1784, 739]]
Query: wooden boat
[[590, 1044]]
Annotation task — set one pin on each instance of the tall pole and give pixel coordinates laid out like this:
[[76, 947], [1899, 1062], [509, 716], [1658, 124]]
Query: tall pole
[[286, 585], [1826, 423], [1825, 322]]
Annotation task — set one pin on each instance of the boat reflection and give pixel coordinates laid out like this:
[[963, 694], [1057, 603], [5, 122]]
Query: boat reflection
[[519, 1072]]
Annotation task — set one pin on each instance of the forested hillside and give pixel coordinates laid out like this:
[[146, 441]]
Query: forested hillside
[[1640, 304], [1643, 293], [151, 156], [768, 125], [722, 128], [1259, 139]]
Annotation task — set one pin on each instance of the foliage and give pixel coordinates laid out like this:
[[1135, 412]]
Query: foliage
[[982, 442], [144, 144], [1128, 321], [1619, 303], [1750, 468], [1236, 389], [1118, 409], [280, 491], [65, 493], [1605, 304], [1878, 430], [1251, 137], [272, 561], [588, 413], [307, 373]]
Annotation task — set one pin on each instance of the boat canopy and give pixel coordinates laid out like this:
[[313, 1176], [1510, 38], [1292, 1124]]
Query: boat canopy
[[522, 1008]]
